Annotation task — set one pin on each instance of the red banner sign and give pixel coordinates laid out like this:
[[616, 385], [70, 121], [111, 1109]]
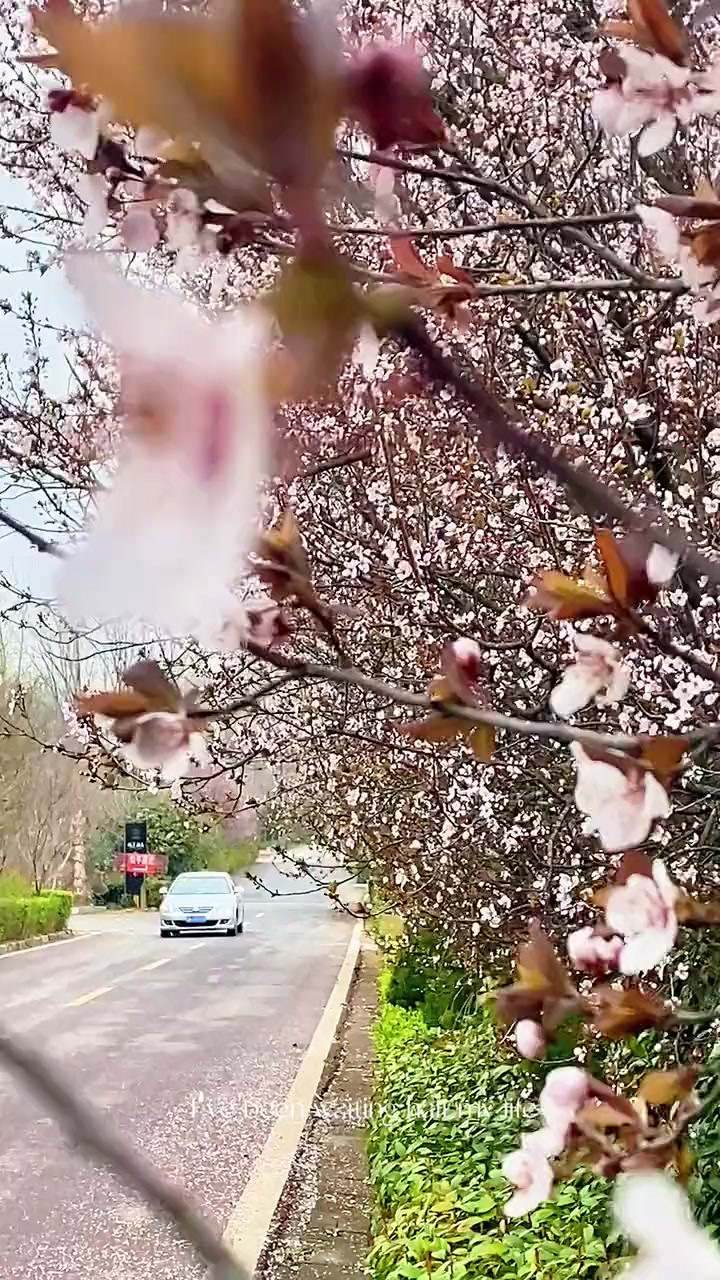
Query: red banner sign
[[141, 864]]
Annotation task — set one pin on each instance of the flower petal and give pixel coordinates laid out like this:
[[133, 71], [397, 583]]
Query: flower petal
[[658, 135]]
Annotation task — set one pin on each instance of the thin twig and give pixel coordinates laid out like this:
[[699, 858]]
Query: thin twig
[[485, 228], [35, 539], [87, 1126]]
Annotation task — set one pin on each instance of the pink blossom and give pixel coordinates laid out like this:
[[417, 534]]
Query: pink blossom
[[529, 1039], [74, 122], [660, 565], [183, 220], [166, 741], [653, 1211], [468, 656], [591, 953], [173, 531], [93, 190], [565, 1091], [596, 673], [531, 1172], [649, 98], [139, 230], [621, 807], [697, 275], [643, 911], [260, 621]]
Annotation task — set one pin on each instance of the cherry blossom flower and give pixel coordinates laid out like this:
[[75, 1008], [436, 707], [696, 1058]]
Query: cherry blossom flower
[[164, 740], [597, 668], [93, 190], [74, 122], [565, 1091], [653, 1211], [183, 220], [258, 620], [139, 230], [660, 565], [529, 1170], [468, 656], [649, 95], [529, 1039], [173, 530], [591, 952], [643, 911], [675, 247], [621, 805]]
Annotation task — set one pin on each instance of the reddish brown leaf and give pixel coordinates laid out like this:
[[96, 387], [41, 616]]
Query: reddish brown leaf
[[408, 260], [652, 18], [147, 679], [616, 570], [662, 1088], [113, 704], [663, 753], [633, 863], [482, 740], [447, 267], [622, 1012], [565, 598]]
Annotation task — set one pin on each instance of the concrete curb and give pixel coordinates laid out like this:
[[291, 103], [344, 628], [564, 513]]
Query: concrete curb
[[26, 944], [249, 1223]]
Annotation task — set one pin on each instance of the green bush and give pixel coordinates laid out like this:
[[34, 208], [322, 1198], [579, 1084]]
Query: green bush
[[33, 915], [13, 885], [447, 1109], [422, 977]]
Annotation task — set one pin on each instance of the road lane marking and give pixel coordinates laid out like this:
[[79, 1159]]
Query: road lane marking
[[154, 964], [249, 1222], [91, 995], [42, 946], [196, 946]]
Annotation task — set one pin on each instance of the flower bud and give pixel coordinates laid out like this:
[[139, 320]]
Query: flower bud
[[468, 657], [529, 1039], [590, 952]]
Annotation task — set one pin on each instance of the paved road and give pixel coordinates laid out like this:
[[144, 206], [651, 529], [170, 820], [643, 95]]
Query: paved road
[[189, 1044]]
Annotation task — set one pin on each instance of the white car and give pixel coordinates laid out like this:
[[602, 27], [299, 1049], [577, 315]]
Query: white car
[[202, 902]]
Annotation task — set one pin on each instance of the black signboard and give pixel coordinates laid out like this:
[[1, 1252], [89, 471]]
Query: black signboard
[[136, 837]]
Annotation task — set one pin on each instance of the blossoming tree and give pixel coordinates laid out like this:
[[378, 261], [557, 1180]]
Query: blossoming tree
[[427, 472]]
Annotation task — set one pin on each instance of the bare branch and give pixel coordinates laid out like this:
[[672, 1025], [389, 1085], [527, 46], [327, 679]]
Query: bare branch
[[87, 1126]]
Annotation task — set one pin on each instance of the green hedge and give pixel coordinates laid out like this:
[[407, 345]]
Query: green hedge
[[448, 1107], [28, 917]]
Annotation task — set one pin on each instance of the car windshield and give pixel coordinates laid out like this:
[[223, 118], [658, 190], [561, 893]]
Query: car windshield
[[195, 885]]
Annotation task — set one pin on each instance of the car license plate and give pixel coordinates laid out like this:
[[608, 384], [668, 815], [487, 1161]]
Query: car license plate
[[197, 919]]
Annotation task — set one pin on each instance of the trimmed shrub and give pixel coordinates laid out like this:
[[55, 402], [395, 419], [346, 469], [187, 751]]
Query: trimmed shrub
[[29, 917], [448, 1108]]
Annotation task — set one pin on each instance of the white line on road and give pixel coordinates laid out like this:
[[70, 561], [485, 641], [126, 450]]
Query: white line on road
[[196, 946], [91, 995], [42, 946], [249, 1222], [154, 964]]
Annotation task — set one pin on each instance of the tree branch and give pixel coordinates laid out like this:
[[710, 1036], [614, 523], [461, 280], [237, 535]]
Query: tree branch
[[304, 669], [87, 1126], [485, 228], [596, 498], [35, 539]]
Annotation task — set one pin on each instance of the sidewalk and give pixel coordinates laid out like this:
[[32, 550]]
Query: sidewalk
[[320, 1228]]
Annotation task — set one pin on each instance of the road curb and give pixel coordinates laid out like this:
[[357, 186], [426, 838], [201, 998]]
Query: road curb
[[249, 1222], [42, 940]]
